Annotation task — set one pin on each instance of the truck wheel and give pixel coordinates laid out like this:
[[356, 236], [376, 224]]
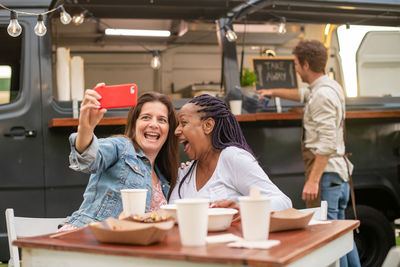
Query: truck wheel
[[376, 235]]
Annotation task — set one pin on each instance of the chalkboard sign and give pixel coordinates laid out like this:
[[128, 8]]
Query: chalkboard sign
[[275, 72]]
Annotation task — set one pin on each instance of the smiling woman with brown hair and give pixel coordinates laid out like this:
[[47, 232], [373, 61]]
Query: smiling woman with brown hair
[[144, 157]]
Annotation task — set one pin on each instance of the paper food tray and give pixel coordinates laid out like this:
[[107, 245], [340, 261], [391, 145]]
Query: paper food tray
[[289, 219], [129, 232]]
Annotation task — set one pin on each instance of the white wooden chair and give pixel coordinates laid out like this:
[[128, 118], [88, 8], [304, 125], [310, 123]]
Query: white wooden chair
[[24, 227], [393, 258], [320, 213]]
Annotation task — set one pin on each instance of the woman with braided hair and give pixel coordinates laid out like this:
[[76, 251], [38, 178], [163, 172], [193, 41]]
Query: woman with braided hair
[[223, 166]]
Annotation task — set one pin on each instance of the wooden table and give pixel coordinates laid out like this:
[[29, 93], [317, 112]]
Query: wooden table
[[317, 245]]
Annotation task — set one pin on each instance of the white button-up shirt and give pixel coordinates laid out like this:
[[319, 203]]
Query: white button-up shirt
[[323, 122]]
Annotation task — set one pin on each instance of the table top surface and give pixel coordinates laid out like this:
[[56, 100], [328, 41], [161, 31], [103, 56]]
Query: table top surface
[[293, 245]]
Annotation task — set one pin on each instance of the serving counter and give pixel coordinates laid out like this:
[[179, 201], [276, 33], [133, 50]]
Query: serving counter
[[362, 114]]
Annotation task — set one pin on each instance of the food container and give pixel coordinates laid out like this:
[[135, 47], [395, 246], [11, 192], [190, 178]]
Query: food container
[[219, 219], [289, 219], [130, 232], [169, 210]]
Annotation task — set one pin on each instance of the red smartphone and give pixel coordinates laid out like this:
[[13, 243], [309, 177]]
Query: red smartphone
[[117, 96]]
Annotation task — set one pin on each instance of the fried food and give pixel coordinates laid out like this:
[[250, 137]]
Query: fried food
[[154, 217]]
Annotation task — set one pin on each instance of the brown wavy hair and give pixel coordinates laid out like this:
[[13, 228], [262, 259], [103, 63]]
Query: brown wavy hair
[[314, 52], [167, 158]]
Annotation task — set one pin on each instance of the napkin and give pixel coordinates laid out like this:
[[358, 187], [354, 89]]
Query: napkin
[[314, 222], [239, 242], [254, 244], [223, 238]]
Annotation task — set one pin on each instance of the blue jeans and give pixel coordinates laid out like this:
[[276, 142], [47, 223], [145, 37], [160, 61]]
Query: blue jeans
[[337, 193]]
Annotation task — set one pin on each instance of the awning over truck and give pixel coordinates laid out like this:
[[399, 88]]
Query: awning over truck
[[379, 12]]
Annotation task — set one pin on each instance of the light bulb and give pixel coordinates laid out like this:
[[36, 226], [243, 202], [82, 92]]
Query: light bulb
[[269, 53], [282, 25], [14, 29], [40, 28], [65, 18], [155, 61], [79, 19], [230, 35]]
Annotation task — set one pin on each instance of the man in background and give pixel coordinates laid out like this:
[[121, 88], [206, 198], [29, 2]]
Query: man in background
[[327, 169]]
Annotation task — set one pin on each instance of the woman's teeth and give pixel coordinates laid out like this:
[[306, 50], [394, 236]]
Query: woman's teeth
[[152, 135]]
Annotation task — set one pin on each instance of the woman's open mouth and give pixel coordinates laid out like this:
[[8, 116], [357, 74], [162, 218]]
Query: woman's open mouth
[[185, 145], [152, 136]]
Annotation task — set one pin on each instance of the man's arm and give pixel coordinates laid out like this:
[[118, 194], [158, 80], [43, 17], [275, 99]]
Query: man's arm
[[291, 94], [310, 190]]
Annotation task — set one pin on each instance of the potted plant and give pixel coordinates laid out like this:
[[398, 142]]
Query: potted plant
[[249, 79]]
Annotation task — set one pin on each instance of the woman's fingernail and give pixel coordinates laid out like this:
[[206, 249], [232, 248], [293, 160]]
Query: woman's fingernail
[[212, 205]]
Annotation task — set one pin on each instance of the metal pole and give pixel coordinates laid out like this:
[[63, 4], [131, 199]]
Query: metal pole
[[230, 66]]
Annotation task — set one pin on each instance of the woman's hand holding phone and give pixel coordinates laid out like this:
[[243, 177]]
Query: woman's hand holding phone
[[90, 115]]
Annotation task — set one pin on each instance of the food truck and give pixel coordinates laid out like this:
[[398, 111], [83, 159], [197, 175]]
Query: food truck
[[42, 79]]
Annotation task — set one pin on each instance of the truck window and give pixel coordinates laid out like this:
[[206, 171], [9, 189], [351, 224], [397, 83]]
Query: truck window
[[350, 39], [10, 58], [5, 84]]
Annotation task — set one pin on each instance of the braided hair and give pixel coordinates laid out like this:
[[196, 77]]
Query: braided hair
[[226, 130]]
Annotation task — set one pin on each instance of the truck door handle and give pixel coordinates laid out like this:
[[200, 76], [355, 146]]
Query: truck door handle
[[20, 131]]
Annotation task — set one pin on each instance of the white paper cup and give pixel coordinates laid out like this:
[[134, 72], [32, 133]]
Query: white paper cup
[[236, 106], [192, 220], [133, 201], [255, 216]]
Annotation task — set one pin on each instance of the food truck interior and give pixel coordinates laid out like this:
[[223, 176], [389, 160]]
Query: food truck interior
[[42, 80]]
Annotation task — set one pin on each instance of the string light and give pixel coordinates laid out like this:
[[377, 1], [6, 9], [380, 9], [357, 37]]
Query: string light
[[79, 19], [155, 62], [40, 29], [14, 29], [65, 18], [282, 25], [230, 34]]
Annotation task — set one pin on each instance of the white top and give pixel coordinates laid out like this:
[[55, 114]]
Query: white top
[[236, 172], [323, 114]]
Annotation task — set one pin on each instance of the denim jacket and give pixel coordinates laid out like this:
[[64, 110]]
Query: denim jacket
[[114, 165]]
